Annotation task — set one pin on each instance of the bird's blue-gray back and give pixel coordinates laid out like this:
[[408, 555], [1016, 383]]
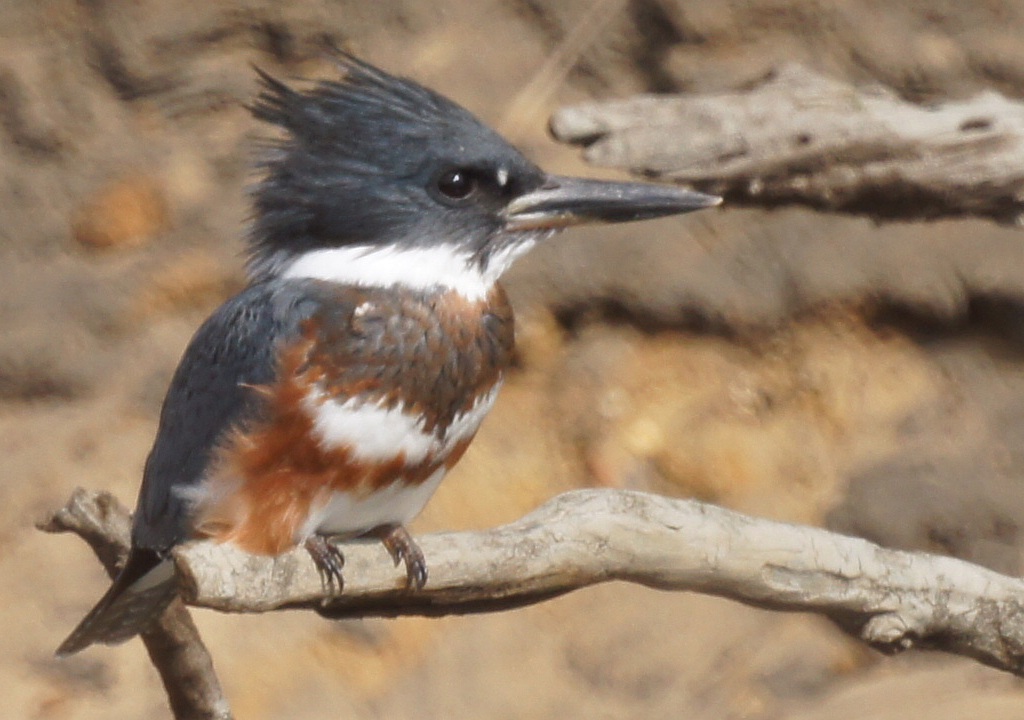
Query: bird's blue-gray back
[[212, 391]]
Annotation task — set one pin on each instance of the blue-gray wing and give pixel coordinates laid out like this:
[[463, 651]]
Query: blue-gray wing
[[211, 392]]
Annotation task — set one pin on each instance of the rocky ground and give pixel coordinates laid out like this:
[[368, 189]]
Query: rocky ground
[[792, 365]]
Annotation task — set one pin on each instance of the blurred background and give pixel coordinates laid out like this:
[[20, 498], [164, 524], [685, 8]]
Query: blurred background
[[792, 365]]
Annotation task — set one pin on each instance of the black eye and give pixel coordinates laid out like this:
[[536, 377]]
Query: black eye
[[457, 184]]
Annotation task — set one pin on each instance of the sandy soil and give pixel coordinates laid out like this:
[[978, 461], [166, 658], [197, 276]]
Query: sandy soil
[[792, 365]]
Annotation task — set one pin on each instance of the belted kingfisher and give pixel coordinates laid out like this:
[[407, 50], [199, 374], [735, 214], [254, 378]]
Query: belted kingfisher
[[329, 398]]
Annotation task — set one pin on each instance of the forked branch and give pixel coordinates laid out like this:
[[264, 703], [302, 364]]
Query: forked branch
[[892, 599], [174, 645]]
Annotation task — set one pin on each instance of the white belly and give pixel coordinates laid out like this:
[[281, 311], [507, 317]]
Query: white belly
[[373, 433], [345, 513]]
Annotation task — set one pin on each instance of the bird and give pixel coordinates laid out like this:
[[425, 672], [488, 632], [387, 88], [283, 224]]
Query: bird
[[328, 399]]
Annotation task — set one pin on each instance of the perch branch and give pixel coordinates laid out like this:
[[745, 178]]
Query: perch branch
[[892, 599], [174, 645], [800, 138]]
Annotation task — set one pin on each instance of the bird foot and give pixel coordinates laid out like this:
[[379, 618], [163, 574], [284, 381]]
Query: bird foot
[[329, 562], [401, 547]]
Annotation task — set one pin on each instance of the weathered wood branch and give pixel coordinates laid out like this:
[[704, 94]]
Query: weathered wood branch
[[174, 645], [892, 599], [800, 138]]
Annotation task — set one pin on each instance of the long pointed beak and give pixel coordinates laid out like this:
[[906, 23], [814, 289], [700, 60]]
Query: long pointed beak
[[564, 201]]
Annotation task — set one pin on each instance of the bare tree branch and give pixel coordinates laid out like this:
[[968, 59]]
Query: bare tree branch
[[800, 138], [893, 600], [174, 645]]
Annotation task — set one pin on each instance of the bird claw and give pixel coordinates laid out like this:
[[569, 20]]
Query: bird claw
[[329, 562], [402, 548]]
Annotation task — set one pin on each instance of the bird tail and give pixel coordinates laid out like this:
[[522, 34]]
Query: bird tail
[[138, 597]]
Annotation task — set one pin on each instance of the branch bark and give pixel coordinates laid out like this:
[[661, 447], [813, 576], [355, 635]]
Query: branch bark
[[174, 645], [800, 138], [892, 599]]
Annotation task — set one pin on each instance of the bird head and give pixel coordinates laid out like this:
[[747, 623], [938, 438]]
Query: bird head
[[375, 173]]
